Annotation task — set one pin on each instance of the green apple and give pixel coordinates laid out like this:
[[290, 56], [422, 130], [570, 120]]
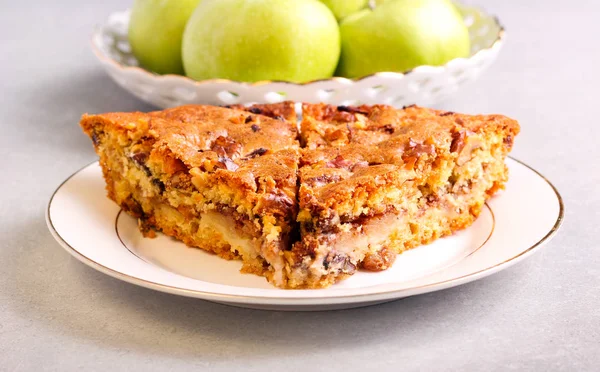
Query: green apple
[[254, 40], [155, 33], [399, 35], [343, 8]]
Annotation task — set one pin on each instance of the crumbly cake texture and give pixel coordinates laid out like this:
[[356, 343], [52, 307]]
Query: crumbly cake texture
[[219, 179], [375, 181], [354, 187]]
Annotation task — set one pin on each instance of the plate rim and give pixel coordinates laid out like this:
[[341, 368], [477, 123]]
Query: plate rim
[[309, 300]]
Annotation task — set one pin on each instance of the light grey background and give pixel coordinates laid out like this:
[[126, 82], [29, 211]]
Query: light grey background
[[57, 314]]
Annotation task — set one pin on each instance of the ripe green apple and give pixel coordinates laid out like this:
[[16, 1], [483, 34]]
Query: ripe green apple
[[343, 8], [399, 35], [155, 33], [254, 40]]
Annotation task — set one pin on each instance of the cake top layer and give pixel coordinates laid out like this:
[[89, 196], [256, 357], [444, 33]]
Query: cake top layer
[[253, 152], [343, 152], [207, 136], [352, 153], [388, 131]]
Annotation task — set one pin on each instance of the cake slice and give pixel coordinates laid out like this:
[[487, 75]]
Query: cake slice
[[352, 189], [216, 178], [375, 181]]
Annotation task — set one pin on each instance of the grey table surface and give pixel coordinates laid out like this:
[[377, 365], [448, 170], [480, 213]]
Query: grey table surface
[[57, 314]]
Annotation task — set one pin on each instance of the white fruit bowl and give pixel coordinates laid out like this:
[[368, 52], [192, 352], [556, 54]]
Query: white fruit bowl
[[423, 85]]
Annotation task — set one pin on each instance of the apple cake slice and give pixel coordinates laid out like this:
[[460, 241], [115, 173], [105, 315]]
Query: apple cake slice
[[219, 179], [375, 181], [355, 187]]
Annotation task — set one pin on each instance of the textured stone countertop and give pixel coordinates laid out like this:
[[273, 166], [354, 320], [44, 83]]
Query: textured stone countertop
[[57, 314]]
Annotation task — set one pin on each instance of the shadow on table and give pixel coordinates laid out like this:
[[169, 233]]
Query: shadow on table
[[47, 286]]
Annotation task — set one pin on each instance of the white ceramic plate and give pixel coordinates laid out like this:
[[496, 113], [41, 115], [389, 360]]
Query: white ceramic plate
[[88, 225], [423, 85]]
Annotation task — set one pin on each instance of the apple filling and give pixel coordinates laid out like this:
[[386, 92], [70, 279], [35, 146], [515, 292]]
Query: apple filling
[[240, 243]]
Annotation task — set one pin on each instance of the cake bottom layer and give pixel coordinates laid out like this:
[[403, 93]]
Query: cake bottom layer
[[373, 245]]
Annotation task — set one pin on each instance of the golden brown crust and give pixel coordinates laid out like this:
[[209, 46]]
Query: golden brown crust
[[205, 145], [387, 126], [351, 152], [353, 188]]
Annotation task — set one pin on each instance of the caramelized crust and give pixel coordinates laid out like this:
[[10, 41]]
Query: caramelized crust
[[351, 152], [352, 189], [253, 154]]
